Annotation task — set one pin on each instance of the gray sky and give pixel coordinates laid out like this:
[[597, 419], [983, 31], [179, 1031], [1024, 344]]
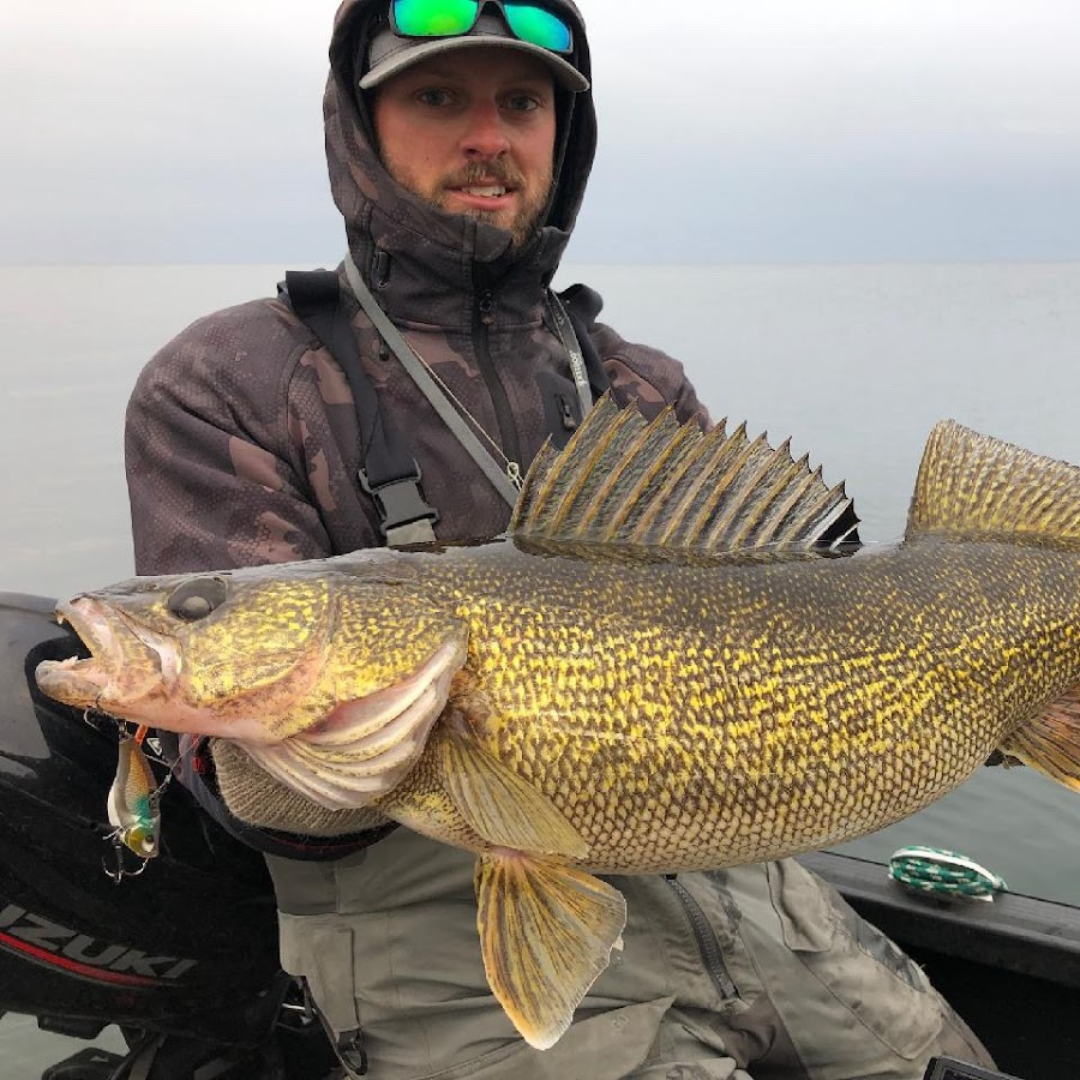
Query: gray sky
[[157, 131]]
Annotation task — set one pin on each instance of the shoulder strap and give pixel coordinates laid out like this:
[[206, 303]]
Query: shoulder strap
[[416, 370], [590, 378], [582, 305], [388, 472]]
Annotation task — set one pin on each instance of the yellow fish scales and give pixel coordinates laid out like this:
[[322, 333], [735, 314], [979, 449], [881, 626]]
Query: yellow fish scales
[[684, 727], [668, 666]]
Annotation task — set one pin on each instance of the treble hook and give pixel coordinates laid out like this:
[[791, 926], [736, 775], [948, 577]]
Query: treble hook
[[121, 871]]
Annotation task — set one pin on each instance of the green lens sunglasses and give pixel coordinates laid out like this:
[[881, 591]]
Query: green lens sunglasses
[[452, 18]]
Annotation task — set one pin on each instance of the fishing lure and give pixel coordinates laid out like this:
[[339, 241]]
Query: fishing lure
[[133, 799]]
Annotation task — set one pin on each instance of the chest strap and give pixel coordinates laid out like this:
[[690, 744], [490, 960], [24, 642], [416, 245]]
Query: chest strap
[[388, 472]]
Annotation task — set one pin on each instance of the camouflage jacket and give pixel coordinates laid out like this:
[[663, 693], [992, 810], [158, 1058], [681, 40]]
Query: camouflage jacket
[[242, 443]]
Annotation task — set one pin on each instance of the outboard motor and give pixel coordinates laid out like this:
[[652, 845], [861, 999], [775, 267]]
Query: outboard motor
[[183, 955]]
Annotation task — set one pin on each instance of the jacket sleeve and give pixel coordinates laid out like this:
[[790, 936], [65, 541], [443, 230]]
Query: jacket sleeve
[[215, 449]]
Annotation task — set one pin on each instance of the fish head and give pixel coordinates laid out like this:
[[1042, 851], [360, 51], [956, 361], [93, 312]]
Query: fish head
[[257, 655]]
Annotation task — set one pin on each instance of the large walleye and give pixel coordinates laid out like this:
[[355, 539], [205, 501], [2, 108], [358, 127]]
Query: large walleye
[[658, 671]]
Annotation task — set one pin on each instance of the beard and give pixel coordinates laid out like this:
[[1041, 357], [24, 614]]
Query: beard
[[521, 222]]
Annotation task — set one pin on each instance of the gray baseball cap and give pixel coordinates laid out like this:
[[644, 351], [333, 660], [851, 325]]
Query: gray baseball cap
[[388, 54]]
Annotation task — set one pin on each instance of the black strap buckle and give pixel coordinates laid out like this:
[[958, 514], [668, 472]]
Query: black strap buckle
[[399, 502], [350, 1051], [348, 1046]]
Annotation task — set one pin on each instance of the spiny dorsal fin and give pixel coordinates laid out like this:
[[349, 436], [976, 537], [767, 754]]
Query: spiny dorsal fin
[[624, 480], [971, 484]]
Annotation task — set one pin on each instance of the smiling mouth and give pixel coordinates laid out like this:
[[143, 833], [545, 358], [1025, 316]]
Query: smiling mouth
[[495, 191], [485, 191]]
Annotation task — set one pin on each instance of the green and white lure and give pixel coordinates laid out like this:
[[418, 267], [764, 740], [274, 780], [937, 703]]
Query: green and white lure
[[133, 799]]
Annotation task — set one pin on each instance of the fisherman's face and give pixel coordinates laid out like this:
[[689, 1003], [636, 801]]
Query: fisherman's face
[[472, 132]]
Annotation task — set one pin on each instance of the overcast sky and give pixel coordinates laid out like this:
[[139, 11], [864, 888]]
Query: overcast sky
[[152, 131]]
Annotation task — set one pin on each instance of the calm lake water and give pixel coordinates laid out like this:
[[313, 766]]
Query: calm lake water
[[854, 362]]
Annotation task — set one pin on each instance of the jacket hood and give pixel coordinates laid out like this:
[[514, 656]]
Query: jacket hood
[[380, 215]]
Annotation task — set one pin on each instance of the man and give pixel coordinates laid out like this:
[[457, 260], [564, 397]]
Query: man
[[459, 162]]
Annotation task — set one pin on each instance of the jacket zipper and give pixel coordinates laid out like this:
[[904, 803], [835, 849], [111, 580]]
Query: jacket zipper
[[708, 946], [483, 319]]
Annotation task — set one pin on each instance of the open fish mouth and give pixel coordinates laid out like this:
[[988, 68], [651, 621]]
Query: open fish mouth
[[362, 750], [126, 660]]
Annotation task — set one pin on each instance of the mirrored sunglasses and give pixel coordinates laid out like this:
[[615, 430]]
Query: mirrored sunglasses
[[452, 18]]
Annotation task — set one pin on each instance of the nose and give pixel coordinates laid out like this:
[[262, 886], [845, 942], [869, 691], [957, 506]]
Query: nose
[[485, 131]]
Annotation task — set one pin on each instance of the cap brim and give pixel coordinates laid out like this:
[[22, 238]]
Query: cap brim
[[565, 74]]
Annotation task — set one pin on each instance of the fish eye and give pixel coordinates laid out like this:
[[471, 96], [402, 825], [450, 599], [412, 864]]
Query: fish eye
[[195, 600]]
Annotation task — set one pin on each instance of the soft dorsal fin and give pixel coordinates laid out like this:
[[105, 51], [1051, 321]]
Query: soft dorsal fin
[[971, 485], [624, 480]]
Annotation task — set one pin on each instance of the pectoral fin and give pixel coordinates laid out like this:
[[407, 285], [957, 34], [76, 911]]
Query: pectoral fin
[[546, 934], [1051, 742], [502, 807]]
